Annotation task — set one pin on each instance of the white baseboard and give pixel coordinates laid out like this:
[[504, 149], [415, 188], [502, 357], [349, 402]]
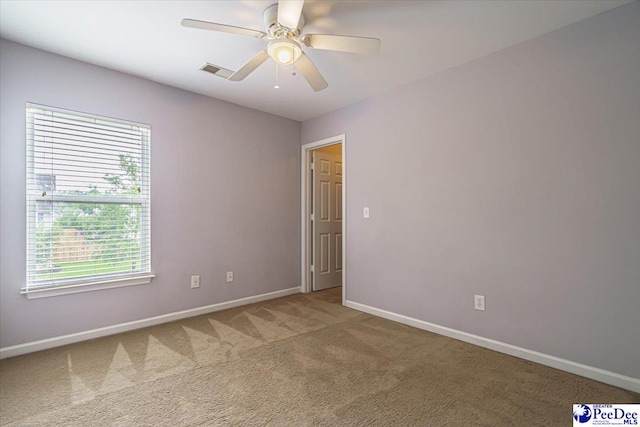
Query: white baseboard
[[30, 347], [607, 377]]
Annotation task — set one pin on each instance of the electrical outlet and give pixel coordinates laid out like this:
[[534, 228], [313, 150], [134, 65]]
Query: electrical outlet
[[478, 302], [229, 276], [365, 212], [195, 282]]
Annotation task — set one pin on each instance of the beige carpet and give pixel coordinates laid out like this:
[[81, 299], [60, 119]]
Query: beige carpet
[[302, 360]]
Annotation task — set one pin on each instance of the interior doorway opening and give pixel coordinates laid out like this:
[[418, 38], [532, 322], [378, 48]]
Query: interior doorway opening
[[323, 215]]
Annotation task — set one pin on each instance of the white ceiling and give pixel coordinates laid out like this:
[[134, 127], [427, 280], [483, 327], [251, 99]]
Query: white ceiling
[[419, 38]]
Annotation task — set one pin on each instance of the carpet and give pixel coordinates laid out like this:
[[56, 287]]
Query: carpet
[[302, 360]]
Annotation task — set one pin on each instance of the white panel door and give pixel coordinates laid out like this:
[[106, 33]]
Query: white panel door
[[326, 226]]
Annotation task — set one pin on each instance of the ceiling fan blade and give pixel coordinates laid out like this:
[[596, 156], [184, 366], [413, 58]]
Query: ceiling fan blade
[[212, 26], [353, 44], [248, 68], [289, 12], [311, 73]]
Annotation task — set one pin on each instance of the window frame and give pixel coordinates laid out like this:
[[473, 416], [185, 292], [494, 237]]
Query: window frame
[[88, 282]]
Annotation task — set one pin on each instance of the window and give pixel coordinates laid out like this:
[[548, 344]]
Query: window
[[88, 202]]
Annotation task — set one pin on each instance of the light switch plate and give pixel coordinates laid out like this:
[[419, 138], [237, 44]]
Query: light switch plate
[[365, 212]]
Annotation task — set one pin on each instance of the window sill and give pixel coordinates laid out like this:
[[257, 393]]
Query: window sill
[[87, 287]]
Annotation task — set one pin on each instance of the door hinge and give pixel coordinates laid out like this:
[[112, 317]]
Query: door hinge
[[312, 217], [312, 268], [313, 165]]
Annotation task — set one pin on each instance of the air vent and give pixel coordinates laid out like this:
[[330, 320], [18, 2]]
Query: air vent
[[218, 71]]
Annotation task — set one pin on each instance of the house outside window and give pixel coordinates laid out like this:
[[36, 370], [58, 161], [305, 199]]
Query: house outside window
[[88, 202]]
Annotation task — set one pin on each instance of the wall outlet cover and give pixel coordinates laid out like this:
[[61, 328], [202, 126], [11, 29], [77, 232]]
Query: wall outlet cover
[[195, 282]]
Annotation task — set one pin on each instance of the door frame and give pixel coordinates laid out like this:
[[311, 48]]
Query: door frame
[[305, 208]]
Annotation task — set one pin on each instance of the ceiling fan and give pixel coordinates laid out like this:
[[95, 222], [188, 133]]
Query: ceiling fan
[[284, 23]]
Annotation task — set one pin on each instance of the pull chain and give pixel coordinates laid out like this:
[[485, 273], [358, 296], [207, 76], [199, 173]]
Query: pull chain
[[276, 86]]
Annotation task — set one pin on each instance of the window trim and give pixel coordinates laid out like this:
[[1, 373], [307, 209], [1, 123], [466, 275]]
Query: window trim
[[52, 291], [88, 284]]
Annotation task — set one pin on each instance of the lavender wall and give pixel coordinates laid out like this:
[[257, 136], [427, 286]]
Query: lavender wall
[[515, 176], [225, 195]]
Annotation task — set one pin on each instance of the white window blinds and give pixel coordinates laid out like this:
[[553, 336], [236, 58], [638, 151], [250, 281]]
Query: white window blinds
[[88, 199]]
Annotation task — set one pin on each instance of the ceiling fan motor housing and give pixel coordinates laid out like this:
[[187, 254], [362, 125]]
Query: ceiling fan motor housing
[[276, 30]]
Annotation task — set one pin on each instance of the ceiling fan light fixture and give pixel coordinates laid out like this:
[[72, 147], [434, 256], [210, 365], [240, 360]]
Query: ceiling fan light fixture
[[284, 51]]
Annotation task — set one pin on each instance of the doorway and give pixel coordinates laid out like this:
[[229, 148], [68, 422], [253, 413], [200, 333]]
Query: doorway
[[323, 189]]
